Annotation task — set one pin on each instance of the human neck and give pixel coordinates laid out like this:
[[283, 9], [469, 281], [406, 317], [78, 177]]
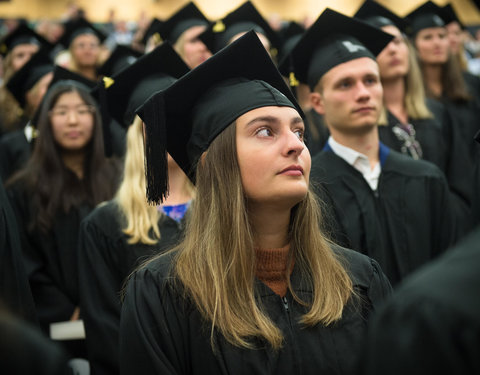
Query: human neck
[[394, 97], [177, 187], [270, 224], [366, 143], [74, 160], [433, 78], [89, 72]]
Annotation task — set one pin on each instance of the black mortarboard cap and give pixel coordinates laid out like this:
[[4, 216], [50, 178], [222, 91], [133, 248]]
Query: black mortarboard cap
[[183, 19], [78, 27], [186, 117], [152, 29], [22, 35], [377, 15], [130, 88], [289, 37], [121, 58], [332, 40], [427, 15], [449, 15], [28, 75], [245, 18]]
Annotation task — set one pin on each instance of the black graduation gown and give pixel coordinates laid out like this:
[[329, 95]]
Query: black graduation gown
[[105, 260], [15, 294], [15, 151], [405, 223], [316, 132], [432, 323], [442, 145], [161, 333], [24, 351], [50, 259]]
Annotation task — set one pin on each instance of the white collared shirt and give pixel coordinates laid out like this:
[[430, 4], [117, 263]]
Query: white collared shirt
[[358, 161]]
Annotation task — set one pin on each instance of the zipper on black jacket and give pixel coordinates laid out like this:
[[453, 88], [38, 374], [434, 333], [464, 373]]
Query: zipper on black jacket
[[285, 304]]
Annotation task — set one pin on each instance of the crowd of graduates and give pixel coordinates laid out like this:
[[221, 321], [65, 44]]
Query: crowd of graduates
[[219, 196]]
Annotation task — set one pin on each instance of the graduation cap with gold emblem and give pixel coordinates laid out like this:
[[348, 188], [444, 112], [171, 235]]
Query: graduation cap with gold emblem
[[121, 58], [130, 88], [28, 75], [22, 35], [243, 19], [79, 27], [185, 118], [332, 40], [152, 30], [182, 20], [377, 15], [425, 16]]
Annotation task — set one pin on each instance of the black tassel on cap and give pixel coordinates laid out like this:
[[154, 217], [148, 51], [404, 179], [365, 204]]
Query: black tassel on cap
[[156, 163], [106, 118], [477, 137]]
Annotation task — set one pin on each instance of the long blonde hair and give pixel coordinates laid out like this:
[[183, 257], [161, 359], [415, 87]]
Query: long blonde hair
[[415, 97], [10, 110], [214, 263], [141, 219]]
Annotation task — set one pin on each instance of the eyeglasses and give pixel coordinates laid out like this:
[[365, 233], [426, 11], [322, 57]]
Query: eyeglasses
[[85, 45], [80, 111]]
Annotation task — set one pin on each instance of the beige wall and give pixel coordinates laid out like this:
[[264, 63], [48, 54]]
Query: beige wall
[[287, 9]]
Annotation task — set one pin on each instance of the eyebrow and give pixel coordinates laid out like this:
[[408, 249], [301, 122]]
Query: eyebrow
[[294, 120]]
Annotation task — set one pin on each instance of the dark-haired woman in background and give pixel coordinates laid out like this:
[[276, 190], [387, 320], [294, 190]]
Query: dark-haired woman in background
[[64, 179]]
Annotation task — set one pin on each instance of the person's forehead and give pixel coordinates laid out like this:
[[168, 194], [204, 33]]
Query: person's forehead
[[85, 37], [352, 68]]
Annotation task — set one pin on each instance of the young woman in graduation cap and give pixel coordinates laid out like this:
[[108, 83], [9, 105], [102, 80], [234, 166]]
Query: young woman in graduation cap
[[66, 176], [83, 41], [120, 234], [182, 30], [442, 76], [254, 286]]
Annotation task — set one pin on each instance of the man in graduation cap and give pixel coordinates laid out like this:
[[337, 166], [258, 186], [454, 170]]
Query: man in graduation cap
[[393, 208]]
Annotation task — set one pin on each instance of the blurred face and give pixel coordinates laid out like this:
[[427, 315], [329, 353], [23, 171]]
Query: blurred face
[[85, 50], [432, 45], [454, 32], [21, 54], [393, 60], [194, 52], [274, 161], [72, 122], [351, 96], [36, 94]]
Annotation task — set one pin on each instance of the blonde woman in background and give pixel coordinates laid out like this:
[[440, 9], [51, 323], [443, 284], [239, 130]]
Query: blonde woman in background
[[120, 234]]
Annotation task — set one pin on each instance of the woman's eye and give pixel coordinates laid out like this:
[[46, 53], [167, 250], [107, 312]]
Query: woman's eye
[[264, 132]]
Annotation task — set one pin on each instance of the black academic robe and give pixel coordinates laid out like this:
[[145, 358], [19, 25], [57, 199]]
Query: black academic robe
[[316, 132], [441, 144], [431, 325], [403, 224], [24, 351], [15, 294], [105, 260], [15, 151], [162, 333], [50, 258]]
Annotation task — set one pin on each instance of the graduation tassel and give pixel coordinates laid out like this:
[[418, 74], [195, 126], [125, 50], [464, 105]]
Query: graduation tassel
[[156, 164]]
